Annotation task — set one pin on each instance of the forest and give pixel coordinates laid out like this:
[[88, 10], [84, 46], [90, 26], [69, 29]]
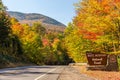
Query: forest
[[96, 27]]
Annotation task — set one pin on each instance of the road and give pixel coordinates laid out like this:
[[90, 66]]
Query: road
[[31, 73]]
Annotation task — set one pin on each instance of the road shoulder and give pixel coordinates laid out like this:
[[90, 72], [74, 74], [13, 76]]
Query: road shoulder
[[70, 73]]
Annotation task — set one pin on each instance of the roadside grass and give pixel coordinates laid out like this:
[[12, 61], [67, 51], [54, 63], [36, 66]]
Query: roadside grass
[[7, 60], [118, 62]]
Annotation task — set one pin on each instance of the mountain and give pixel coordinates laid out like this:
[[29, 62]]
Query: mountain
[[29, 18]]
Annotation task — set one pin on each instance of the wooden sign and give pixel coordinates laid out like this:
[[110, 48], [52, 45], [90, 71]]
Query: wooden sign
[[96, 59], [112, 58], [112, 63]]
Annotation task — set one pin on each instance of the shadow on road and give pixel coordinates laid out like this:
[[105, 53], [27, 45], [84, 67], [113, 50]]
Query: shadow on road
[[26, 70], [22, 73]]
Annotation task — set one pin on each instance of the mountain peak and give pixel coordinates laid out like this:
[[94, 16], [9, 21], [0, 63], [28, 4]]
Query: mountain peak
[[29, 18]]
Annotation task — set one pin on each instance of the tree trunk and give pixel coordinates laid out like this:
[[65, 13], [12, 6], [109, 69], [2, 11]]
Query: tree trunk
[[114, 47]]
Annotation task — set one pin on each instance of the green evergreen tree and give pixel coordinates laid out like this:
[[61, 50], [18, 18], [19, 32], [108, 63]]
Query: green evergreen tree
[[4, 26], [2, 7]]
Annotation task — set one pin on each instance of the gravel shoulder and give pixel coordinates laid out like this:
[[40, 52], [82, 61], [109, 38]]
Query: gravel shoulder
[[71, 73], [99, 75]]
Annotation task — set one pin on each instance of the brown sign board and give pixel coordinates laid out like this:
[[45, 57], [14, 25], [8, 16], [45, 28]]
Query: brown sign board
[[95, 59]]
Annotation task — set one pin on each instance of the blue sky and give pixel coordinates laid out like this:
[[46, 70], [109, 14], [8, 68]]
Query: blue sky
[[61, 10]]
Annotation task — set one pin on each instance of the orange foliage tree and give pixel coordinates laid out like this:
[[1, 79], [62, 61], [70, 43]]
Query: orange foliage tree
[[96, 19]]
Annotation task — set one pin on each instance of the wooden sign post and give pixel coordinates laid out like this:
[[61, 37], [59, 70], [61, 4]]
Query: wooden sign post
[[112, 63]]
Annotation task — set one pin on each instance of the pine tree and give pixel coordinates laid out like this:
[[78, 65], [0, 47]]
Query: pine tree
[[2, 7]]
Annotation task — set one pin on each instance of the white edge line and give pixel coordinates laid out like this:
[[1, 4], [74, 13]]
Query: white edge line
[[45, 74]]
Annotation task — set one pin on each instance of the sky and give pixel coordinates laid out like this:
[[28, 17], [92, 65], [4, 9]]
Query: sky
[[61, 10]]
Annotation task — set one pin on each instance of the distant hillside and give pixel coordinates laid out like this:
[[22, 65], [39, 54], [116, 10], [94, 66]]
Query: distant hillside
[[49, 23]]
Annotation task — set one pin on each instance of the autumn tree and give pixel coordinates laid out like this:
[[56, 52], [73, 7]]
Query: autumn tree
[[75, 44], [16, 43], [38, 27], [98, 21], [96, 27]]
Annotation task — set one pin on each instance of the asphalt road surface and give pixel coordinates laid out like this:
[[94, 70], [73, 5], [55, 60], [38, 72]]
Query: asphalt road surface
[[31, 73]]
